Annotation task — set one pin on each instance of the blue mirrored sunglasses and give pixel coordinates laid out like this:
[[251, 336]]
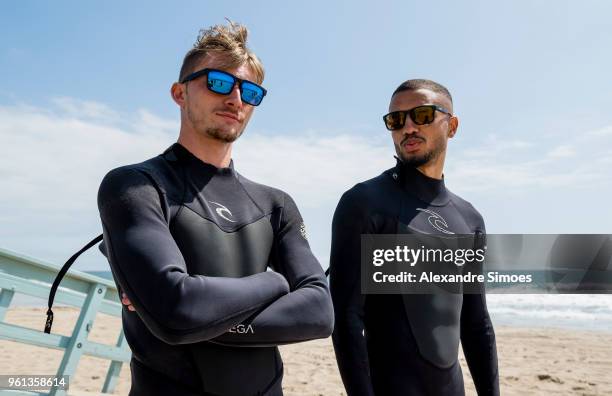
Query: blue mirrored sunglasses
[[223, 83]]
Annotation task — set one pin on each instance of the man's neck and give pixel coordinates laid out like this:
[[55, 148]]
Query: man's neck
[[433, 169], [207, 149]]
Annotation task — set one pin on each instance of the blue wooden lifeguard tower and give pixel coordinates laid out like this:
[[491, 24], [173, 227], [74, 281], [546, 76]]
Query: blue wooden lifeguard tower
[[92, 294]]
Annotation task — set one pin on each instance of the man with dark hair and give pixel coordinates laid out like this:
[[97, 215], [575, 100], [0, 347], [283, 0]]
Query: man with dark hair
[[392, 344], [190, 243]]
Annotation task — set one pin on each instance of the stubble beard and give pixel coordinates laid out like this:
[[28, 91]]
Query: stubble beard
[[224, 135], [425, 158]]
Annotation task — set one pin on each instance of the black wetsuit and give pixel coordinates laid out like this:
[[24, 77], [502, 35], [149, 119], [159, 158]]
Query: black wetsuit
[[405, 345], [190, 245]]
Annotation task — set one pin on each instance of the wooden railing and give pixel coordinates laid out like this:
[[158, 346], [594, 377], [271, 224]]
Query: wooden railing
[[92, 294]]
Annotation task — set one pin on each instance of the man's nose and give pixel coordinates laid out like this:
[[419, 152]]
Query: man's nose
[[409, 127], [233, 98]]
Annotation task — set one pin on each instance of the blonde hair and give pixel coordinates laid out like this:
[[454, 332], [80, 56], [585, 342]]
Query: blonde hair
[[228, 41]]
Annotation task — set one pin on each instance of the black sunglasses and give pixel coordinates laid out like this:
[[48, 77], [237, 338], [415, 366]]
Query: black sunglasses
[[223, 83], [420, 115]]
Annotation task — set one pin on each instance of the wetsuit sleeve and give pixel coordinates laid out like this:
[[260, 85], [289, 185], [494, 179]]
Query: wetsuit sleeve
[[478, 342], [350, 221], [305, 313], [177, 307]]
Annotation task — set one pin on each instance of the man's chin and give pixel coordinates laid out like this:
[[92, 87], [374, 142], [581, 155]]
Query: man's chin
[[415, 160], [227, 136]]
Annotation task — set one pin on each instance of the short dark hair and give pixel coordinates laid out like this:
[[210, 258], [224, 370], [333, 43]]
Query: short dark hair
[[413, 85]]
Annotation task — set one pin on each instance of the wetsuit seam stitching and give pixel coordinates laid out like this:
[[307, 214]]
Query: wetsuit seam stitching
[[238, 179]]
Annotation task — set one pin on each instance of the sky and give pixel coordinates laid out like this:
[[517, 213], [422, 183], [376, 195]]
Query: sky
[[85, 88]]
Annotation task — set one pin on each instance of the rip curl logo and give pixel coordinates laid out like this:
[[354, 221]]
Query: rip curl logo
[[436, 221], [222, 211], [303, 230]]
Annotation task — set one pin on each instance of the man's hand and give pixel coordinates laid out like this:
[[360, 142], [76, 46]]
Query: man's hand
[[126, 301]]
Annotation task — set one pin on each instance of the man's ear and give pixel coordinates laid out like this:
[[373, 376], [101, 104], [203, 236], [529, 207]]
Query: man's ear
[[178, 91], [453, 125]]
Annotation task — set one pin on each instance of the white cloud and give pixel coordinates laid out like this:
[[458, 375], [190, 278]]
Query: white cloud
[[316, 169], [52, 163], [147, 122], [82, 109], [564, 151], [531, 164], [601, 132], [494, 146]]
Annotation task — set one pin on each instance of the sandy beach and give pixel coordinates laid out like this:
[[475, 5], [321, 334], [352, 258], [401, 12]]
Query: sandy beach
[[532, 361]]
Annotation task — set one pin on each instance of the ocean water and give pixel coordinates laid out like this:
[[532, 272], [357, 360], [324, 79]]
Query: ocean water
[[570, 311], [565, 311]]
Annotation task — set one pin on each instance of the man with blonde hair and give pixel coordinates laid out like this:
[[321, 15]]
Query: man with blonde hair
[[191, 243]]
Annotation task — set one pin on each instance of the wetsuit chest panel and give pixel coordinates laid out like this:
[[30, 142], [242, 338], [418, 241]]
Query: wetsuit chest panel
[[209, 250], [221, 199], [419, 217], [222, 232], [434, 319]]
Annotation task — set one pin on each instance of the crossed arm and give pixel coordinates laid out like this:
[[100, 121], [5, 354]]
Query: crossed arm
[[287, 306]]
